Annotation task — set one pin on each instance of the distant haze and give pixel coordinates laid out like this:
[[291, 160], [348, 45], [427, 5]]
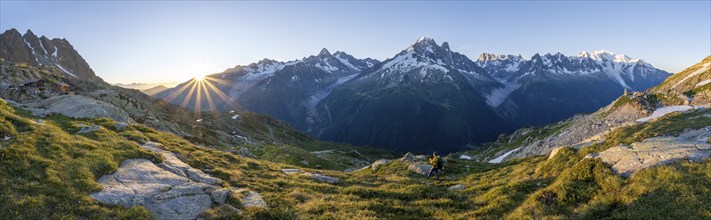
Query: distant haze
[[154, 42]]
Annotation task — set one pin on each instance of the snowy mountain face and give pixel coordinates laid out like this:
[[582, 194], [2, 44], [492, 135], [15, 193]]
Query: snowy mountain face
[[514, 71], [501, 67], [424, 61], [617, 67], [573, 84], [285, 90], [41, 51], [426, 97]]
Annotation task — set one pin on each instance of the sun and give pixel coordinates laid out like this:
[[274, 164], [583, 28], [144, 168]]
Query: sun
[[200, 90]]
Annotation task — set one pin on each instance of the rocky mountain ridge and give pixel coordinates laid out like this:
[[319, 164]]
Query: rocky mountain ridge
[[41, 51]]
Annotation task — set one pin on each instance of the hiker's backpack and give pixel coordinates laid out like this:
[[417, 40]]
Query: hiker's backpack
[[437, 162]]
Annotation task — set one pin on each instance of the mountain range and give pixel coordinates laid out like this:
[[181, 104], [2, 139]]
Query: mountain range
[[427, 96], [80, 148]]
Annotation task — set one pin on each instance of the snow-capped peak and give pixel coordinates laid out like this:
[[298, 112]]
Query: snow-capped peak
[[424, 39], [324, 52], [604, 55]]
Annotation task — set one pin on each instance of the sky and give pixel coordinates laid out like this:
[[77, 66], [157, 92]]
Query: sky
[[174, 41]]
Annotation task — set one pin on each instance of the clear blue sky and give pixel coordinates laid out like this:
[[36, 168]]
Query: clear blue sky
[[173, 41]]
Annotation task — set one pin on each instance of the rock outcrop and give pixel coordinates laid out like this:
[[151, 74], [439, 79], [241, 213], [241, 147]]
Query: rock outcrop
[[170, 190], [578, 131], [408, 157], [41, 51], [629, 159], [76, 106], [378, 163]]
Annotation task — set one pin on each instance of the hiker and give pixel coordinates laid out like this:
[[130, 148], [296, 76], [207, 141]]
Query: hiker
[[436, 163]]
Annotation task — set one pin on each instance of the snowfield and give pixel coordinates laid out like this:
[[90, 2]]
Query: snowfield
[[503, 156], [666, 110]]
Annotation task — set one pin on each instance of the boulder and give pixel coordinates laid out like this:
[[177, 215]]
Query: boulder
[[88, 129], [249, 198], [422, 169], [220, 196], [408, 157], [378, 163]]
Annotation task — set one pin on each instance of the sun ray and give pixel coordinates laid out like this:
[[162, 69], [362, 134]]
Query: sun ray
[[198, 100], [217, 91], [180, 90], [217, 80], [185, 101], [210, 103]]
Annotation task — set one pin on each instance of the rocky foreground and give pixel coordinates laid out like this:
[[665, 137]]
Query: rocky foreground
[[171, 189], [629, 159]]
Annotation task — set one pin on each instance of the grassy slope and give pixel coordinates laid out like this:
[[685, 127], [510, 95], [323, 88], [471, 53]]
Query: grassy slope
[[270, 139], [47, 171]]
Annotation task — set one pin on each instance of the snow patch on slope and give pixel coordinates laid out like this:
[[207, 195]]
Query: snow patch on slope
[[263, 71], [407, 62], [345, 62], [666, 110], [66, 71], [498, 95], [327, 68], [503, 156], [702, 83], [697, 72]]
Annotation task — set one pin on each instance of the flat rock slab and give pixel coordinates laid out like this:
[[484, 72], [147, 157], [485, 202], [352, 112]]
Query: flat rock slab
[[77, 106], [170, 190], [290, 171], [629, 159]]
